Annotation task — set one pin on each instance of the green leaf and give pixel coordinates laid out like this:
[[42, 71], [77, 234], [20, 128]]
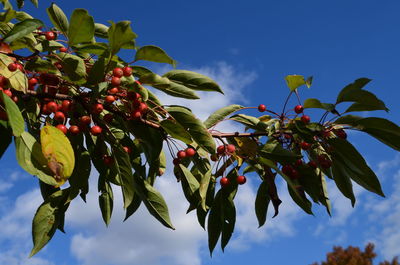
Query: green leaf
[[40, 65], [22, 29], [383, 130], [15, 118], [79, 179], [101, 30], [35, 2], [193, 80], [342, 179], [75, 68], [176, 131], [324, 195], [21, 16], [194, 127], [151, 139], [300, 199], [191, 180], [47, 218], [153, 54], [81, 28], [261, 203], [59, 153], [167, 86], [153, 201], [31, 159], [125, 172], [315, 103], [20, 3], [353, 161], [120, 34], [250, 121], [94, 48], [214, 225], [135, 204], [6, 138], [221, 114], [58, 18], [349, 92], [295, 81], [229, 222], [97, 73], [273, 150], [106, 199], [8, 15]]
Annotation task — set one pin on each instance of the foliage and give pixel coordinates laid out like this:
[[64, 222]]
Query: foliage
[[354, 256], [107, 115]]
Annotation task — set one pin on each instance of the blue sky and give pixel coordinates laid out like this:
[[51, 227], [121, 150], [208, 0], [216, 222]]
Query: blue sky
[[248, 47]]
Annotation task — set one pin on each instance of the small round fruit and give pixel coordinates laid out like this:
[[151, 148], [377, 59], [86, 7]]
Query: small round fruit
[[127, 71], [305, 118], [110, 99], [230, 148], [12, 67], [63, 49], [262, 108], [74, 130], [8, 92], [341, 133], [118, 72], [305, 145], [190, 152], [127, 149], [298, 163], [241, 180], [298, 109], [62, 128], [142, 107], [176, 161], [66, 105], [133, 95], [115, 81], [50, 35], [224, 182], [136, 115], [108, 160], [32, 82], [287, 170], [96, 130], [59, 116], [312, 164], [98, 108], [52, 106], [181, 154], [20, 67], [113, 90], [58, 65], [294, 174], [86, 120], [15, 99], [221, 149], [214, 157]]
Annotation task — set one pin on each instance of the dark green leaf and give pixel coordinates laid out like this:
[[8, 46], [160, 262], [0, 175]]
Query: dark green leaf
[[221, 114], [106, 199], [193, 80], [315, 103], [229, 222], [350, 92], [214, 222], [75, 68], [93, 48], [125, 172], [101, 30], [151, 140], [15, 118], [35, 2], [40, 65], [58, 18], [153, 54], [97, 73], [176, 131], [274, 151], [300, 199], [81, 28], [6, 137], [131, 209], [191, 180], [194, 127], [120, 34], [250, 121], [261, 203], [342, 180], [79, 180], [22, 29]]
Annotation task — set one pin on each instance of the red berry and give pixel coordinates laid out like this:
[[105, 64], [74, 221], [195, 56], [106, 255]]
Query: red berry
[[298, 109], [58, 65], [118, 72], [108, 160], [8, 92], [113, 90], [294, 174], [127, 71], [74, 129], [63, 49], [12, 67], [340, 133], [108, 117], [128, 149], [312, 164], [3, 81], [324, 161], [224, 182], [190, 152], [133, 95], [287, 136], [136, 115], [115, 81], [110, 99], [176, 161], [287, 170], [298, 163], [62, 128], [20, 67], [32, 82], [221, 149], [241, 180], [305, 118], [14, 98], [181, 154], [86, 120], [305, 145], [52, 106], [214, 157], [262, 108], [98, 108], [50, 35], [142, 107], [96, 130], [66, 105], [230, 148], [59, 116]]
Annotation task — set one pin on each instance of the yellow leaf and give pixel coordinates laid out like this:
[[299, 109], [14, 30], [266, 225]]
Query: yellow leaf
[[18, 79], [248, 147], [58, 151]]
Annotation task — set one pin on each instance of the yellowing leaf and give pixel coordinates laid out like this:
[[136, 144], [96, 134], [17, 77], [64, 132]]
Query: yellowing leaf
[[58, 151], [248, 147], [17, 79]]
